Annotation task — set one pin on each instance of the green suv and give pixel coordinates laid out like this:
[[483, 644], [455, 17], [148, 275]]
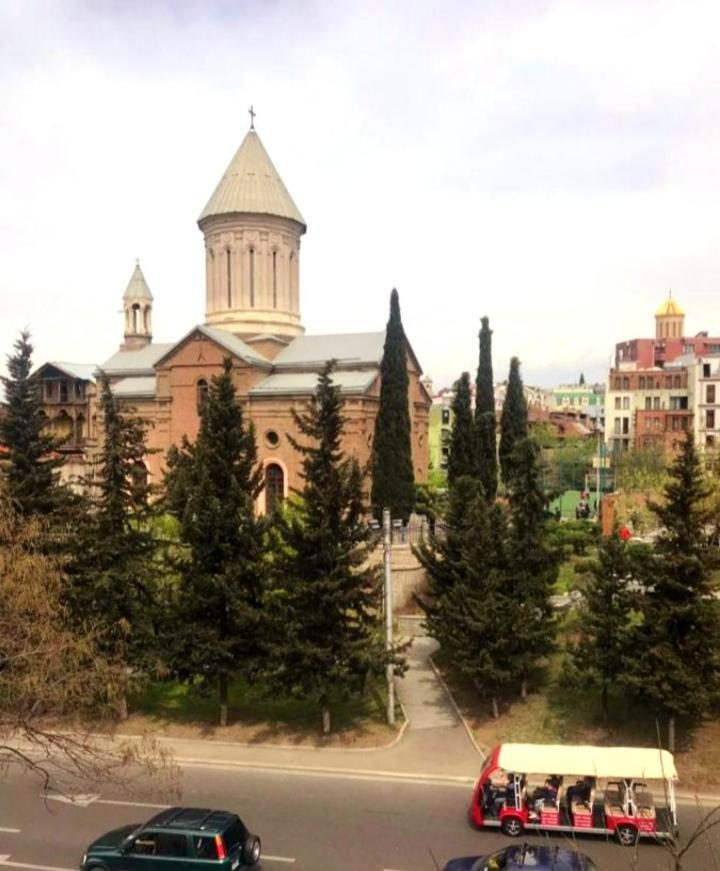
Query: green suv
[[177, 839]]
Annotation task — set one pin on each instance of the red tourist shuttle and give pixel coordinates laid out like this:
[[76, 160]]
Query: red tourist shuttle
[[563, 788]]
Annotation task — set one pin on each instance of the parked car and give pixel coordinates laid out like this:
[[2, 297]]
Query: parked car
[[518, 856], [192, 837]]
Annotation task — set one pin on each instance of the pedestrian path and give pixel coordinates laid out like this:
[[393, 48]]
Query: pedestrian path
[[423, 697]]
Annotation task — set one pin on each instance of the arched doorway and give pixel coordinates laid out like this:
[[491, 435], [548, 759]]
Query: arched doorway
[[274, 487]]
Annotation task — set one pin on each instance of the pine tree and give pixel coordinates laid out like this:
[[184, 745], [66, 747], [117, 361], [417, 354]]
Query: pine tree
[[393, 479], [533, 565], [513, 421], [112, 574], [676, 661], [605, 619], [485, 422], [31, 465], [325, 638], [212, 487], [462, 454]]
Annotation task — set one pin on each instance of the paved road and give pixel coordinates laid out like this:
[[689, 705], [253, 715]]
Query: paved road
[[308, 822]]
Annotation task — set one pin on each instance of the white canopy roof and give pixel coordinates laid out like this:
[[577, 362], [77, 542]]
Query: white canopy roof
[[632, 763]]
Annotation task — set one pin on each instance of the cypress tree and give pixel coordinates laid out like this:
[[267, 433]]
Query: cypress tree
[[325, 638], [533, 564], [605, 620], [112, 575], [485, 422], [212, 486], [513, 421], [393, 479], [676, 661], [462, 454], [31, 465], [581, 380]]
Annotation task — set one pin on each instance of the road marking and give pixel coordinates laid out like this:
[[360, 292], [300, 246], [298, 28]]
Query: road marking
[[278, 859], [10, 831], [337, 773], [5, 862], [81, 800]]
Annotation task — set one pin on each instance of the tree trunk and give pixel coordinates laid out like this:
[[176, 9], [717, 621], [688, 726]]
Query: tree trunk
[[524, 689], [326, 721], [122, 708], [495, 711], [671, 733], [605, 709], [223, 700]]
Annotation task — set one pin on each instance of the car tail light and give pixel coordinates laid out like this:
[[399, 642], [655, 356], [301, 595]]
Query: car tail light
[[220, 844]]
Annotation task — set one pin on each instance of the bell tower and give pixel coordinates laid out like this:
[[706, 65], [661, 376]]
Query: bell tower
[[252, 231], [137, 312], [669, 320]]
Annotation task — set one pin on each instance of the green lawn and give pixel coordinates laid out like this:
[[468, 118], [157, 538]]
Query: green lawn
[[170, 702]]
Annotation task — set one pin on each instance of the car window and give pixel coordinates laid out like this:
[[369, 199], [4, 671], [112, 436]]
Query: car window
[[171, 844], [496, 862], [205, 847], [159, 844]]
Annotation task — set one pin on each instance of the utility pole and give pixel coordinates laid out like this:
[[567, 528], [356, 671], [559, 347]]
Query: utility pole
[[387, 565], [599, 464]]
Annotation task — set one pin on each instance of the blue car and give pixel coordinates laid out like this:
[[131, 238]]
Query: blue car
[[525, 856]]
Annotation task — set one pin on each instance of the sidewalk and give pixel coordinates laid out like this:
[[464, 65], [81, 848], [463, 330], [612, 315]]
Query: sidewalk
[[433, 745]]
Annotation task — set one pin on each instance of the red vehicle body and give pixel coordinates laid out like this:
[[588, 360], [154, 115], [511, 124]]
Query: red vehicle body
[[604, 801]]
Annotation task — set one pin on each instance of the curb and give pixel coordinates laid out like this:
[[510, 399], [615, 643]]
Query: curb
[[296, 748], [462, 719]]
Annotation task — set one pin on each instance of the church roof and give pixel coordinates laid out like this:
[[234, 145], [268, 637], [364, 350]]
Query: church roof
[[226, 340], [251, 184], [348, 380], [669, 308], [137, 286], [137, 362], [346, 348], [143, 386]]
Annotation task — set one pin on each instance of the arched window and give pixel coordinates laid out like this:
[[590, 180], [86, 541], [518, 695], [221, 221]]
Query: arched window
[[228, 269], [136, 317], [274, 487], [146, 319], [251, 258], [274, 278], [201, 393]]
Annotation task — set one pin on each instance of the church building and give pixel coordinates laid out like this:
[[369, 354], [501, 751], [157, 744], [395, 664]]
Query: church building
[[252, 231]]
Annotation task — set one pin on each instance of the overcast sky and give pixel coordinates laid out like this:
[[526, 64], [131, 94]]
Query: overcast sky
[[553, 165]]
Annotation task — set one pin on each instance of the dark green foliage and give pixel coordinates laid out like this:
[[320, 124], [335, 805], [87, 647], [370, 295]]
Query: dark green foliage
[[513, 421], [470, 608], [533, 564], [604, 619], [485, 423], [581, 380], [677, 643], [431, 503], [112, 575], [31, 466], [211, 487], [462, 454], [393, 479], [324, 630]]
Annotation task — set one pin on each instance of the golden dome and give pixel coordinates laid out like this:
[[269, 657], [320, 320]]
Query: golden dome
[[669, 308]]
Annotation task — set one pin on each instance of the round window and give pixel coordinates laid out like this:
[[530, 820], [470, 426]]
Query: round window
[[272, 439]]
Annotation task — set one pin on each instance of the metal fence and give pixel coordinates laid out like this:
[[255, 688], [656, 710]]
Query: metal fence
[[416, 530]]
